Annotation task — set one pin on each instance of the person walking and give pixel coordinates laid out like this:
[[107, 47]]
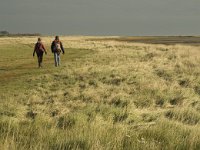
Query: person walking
[[39, 50], [56, 48]]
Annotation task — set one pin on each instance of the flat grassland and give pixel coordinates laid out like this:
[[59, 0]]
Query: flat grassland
[[109, 93]]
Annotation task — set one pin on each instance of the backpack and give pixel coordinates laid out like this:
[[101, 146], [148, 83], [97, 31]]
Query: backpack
[[39, 47], [57, 47]]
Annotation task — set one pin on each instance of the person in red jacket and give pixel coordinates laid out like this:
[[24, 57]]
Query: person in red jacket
[[39, 50]]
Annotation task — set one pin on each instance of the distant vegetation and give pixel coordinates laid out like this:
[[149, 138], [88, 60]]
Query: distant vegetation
[[6, 33], [107, 94], [166, 40]]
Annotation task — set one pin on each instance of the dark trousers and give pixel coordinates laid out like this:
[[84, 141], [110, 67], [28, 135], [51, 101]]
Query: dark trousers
[[40, 58]]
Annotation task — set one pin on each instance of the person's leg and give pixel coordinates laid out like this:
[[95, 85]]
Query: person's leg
[[38, 57], [56, 59], [41, 58]]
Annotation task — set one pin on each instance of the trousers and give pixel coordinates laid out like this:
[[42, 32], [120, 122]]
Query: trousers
[[57, 59], [40, 58]]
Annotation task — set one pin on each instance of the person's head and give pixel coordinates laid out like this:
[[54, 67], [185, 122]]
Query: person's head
[[39, 39], [57, 38]]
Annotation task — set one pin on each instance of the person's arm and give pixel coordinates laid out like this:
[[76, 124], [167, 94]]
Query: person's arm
[[61, 45], [44, 49], [52, 47], [34, 50]]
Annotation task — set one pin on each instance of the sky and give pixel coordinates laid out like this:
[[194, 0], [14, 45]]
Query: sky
[[101, 17]]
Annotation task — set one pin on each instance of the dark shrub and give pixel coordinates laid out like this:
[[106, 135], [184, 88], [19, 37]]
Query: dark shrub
[[119, 102], [65, 122], [120, 116]]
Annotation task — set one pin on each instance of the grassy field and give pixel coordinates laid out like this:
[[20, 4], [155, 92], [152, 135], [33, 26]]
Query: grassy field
[[107, 94]]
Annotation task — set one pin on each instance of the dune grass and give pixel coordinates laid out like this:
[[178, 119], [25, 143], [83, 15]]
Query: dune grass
[[105, 95]]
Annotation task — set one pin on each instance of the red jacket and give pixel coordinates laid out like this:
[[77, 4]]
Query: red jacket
[[39, 47]]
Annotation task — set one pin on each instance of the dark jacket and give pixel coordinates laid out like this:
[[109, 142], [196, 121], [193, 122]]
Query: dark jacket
[[53, 46], [39, 48]]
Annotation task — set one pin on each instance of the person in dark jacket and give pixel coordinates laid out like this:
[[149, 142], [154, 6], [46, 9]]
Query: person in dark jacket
[[39, 50], [57, 48]]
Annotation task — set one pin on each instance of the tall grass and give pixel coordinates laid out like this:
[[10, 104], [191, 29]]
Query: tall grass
[[105, 95]]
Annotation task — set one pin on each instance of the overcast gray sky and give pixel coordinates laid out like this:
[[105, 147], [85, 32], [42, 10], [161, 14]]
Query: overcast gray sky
[[101, 17]]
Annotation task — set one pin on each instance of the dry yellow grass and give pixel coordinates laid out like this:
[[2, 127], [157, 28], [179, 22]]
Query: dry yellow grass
[[106, 95]]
